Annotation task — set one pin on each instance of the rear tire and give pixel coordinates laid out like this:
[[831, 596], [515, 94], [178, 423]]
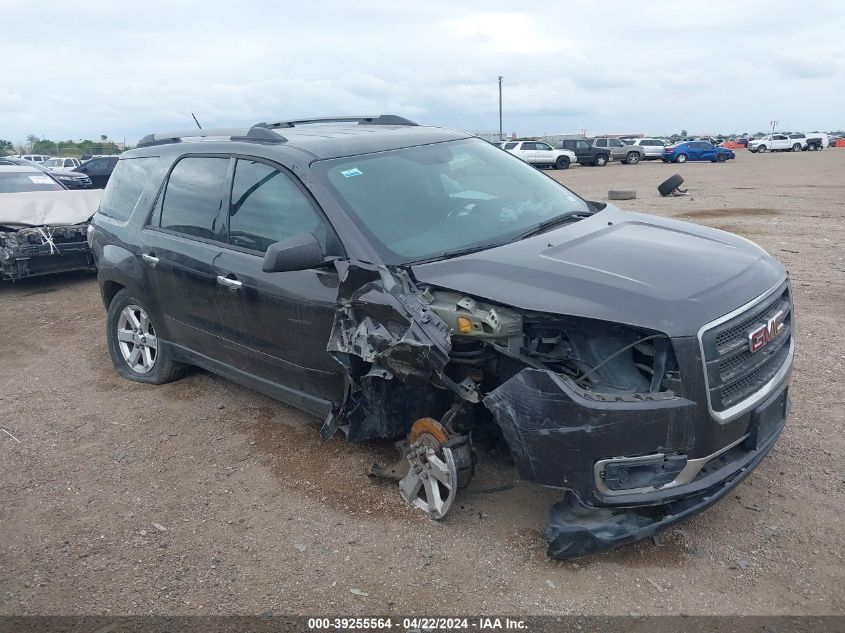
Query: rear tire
[[633, 158], [681, 158], [562, 162], [796, 147], [135, 349], [601, 160]]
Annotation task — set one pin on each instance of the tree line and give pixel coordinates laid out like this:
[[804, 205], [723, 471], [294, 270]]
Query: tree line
[[36, 145]]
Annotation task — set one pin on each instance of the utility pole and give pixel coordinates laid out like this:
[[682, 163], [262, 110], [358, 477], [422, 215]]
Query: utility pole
[[500, 108]]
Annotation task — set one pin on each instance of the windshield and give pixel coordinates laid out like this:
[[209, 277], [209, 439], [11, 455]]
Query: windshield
[[421, 202], [20, 181]]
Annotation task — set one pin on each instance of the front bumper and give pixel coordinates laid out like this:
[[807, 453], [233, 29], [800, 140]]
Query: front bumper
[[576, 529], [562, 437], [34, 251]]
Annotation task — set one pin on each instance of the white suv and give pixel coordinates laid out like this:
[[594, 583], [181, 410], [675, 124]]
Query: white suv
[[540, 154]]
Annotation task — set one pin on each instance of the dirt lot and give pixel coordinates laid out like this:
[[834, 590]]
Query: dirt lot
[[203, 497]]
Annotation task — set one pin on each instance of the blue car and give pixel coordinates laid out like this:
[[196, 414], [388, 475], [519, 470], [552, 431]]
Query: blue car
[[696, 150]]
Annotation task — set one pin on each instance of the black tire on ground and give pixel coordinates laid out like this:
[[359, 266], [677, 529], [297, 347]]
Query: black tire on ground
[[632, 158], [796, 147], [562, 162], [721, 158], [621, 194], [600, 161], [670, 184], [681, 158], [163, 368]]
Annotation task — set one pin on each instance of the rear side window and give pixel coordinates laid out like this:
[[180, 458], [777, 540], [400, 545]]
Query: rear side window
[[510, 145], [267, 207], [601, 142], [125, 186], [193, 196]]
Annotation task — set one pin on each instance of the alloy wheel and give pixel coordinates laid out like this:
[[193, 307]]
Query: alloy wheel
[[137, 339]]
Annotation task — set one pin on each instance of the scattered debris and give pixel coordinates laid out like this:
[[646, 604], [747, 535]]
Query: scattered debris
[[655, 585], [6, 431], [743, 563], [551, 584], [159, 527], [358, 592], [753, 506], [299, 547]]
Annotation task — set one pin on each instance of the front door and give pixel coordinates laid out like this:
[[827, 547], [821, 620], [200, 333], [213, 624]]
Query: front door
[[276, 325]]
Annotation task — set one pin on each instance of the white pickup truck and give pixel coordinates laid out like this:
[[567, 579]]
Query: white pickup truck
[[540, 154], [776, 143]]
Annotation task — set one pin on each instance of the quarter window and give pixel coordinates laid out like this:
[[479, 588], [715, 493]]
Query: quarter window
[[601, 142], [126, 185], [510, 145], [266, 207], [194, 196]]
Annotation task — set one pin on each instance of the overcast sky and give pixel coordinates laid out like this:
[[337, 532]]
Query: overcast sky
[[81, 69]]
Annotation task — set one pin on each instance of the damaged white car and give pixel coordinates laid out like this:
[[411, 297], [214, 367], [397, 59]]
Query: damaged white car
[[43, 226]]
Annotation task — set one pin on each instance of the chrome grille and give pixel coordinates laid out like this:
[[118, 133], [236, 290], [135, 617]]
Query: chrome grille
[[734, 372]]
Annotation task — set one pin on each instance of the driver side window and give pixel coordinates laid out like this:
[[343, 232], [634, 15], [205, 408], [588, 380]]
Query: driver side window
[[267, 206]]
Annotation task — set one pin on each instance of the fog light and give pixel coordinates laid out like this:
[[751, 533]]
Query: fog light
[[642, 472]]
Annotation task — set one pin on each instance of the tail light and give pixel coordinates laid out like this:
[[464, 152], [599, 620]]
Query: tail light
[[668, 150]]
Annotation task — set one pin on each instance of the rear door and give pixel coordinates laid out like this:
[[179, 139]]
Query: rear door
[[179, 246], [276, 325], [527, 152], [780, 141], [544, 154]]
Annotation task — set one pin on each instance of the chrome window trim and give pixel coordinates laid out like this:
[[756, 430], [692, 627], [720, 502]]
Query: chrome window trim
[[689, 472], [743, 406]]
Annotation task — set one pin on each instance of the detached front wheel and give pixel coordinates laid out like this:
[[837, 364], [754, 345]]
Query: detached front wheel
[[136, 351]]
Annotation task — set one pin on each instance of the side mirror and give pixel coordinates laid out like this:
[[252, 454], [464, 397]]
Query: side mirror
[[299, 252]]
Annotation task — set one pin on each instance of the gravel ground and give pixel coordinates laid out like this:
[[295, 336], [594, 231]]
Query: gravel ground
[[203, 497]]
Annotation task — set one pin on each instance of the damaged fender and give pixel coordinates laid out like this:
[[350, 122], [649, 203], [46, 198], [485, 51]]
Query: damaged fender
[[394, 350]]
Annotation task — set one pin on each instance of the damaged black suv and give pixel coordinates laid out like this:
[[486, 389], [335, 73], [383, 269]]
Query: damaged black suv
[[419, 284]]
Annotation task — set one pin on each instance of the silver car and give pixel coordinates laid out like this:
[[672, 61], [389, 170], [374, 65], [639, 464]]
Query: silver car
[[653, 147], [625, 154]]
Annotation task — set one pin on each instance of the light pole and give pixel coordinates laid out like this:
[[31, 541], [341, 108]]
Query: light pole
[[500, 108]]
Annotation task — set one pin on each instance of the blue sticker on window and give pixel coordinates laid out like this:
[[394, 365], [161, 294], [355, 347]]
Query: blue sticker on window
[[348, 173]]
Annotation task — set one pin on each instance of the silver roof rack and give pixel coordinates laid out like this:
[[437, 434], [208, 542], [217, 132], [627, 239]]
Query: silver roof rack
[[255, 134], [379, 119]]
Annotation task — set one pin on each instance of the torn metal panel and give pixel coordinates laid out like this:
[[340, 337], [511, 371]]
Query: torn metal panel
[[556, 431], [394, 349], [48, 208]]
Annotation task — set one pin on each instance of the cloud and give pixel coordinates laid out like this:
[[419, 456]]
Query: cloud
[[125, 69]]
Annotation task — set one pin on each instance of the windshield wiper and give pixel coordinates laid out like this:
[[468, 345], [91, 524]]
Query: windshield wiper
[[545, 225], [457, 253]]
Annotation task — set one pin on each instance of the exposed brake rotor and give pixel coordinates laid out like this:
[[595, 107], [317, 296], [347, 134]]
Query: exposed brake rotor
[[438, 466]]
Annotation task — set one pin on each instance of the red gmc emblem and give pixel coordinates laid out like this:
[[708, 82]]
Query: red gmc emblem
[[759, 338]]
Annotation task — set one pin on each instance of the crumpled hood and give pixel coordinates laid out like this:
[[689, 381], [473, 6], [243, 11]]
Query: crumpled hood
[[632, 268]]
